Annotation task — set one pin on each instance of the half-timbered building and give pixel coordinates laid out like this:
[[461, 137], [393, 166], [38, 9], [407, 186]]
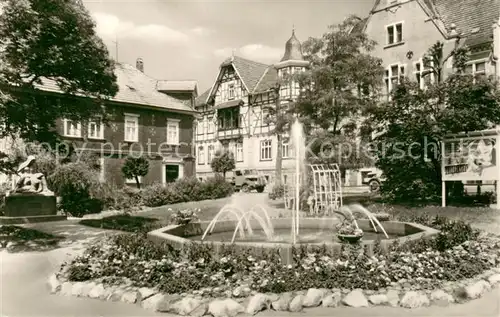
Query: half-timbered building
[[234, 111]]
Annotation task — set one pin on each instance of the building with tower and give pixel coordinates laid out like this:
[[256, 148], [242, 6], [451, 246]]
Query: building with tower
[[234, 111]]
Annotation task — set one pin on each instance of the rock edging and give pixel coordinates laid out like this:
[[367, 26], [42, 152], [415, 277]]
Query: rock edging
[[241, 302]]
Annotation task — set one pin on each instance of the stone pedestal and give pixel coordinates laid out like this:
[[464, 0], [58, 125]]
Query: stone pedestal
[[30, 205], [30, 208]]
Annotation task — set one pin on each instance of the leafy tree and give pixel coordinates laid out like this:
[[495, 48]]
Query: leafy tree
[[50, 39], [412, 124], [342, 82], [223, 162], [135, 168]]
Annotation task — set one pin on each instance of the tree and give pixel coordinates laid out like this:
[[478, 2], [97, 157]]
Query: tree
[[135, 168], [223, 162], [342, 82], [415, 120], [281, 116], [50, 39]]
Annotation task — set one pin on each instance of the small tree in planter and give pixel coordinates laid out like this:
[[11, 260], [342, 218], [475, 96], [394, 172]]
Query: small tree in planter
[[223, 162], [135, 168]]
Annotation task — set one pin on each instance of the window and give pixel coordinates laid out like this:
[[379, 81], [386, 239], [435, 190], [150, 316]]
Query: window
[[231, 91], [422, 75], [211, 150], [172, 131], [285, 150], [476, 69], [265, 150], [393, 76], [210, 124], [395, 33], [132, 180], [239, 152], [265, 117], [285, 87], [96, 129], [131, 127], [72, 128], [201, 155]]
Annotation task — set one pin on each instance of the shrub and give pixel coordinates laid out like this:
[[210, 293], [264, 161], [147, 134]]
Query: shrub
[[223, 162], [135, 258], [114, 198], [277, 192], [4, 187], [135, 168], [74, 183], [186, 190]]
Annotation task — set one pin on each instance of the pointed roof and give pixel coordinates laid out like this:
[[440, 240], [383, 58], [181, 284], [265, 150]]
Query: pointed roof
[[249, 71], [135, 87], [293, 49], [473, 19]]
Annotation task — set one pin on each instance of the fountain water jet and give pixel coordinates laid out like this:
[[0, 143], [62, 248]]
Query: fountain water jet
[[267, 228]]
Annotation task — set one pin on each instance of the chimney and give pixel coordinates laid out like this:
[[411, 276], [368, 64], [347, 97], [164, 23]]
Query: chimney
[[139, 64]]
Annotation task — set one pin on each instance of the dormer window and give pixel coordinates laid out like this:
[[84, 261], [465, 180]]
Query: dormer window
[[395, 33], [231, 91]]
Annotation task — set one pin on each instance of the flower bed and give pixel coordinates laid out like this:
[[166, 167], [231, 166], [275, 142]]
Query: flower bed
[[442, 264]]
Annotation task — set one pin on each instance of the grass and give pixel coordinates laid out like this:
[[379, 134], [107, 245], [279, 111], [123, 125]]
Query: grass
[[125, 222]]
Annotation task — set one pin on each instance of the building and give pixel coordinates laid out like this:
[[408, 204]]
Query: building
[[404, 30], [146, 117], [234, 111]]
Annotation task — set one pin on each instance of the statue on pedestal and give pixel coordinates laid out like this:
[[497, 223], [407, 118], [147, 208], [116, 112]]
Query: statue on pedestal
[[30, 183]]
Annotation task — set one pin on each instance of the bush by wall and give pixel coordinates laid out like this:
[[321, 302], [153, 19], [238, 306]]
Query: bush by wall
[[74, 183]]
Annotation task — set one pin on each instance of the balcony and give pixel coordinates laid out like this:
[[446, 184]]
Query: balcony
[[227, 134]]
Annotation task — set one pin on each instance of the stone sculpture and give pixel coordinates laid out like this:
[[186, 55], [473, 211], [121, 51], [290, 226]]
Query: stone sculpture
[[30, 182]]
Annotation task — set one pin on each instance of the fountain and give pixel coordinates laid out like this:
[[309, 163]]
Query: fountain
[[259, 231]]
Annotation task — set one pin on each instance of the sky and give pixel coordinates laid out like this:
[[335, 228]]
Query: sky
[[188, 40]]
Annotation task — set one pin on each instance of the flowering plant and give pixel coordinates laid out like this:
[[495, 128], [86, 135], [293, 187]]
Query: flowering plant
[[349, 229], [184, 216]]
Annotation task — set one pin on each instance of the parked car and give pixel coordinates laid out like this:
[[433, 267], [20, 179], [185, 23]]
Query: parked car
[[374, 180], [247, 180]]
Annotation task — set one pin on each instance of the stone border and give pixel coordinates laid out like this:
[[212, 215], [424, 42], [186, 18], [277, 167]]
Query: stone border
[[19, 220], [243, 300]]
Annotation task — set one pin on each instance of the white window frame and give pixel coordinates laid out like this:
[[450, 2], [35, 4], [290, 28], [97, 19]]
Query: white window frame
[[285, 149], [210, 153], [394, 33], [201, 155], [211, 125], [239, 152], [135, 118], [130, 181], [266, 147], [422, 83], [401, 73], [231, 92], [100, 133], [474, 67], [77, 131], [174, 122]]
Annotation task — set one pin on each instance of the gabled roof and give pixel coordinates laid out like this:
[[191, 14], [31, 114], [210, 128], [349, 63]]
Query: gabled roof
[[472, 18], [135, 87], [177, 85], [202, 99], [249, 71]]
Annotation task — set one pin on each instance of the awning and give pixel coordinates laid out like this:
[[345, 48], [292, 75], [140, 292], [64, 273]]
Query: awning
[[229, 104]]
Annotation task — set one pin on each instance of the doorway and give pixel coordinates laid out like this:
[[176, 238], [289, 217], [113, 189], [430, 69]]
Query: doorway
[[171, 173]]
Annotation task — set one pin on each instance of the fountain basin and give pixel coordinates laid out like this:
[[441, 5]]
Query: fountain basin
[[313, 233]]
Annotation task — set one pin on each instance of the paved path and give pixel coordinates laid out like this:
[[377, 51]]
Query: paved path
[[23, 289], [24, 293]]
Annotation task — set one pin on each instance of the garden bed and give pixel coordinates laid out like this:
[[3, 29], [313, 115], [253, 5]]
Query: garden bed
[[457, 264]]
